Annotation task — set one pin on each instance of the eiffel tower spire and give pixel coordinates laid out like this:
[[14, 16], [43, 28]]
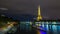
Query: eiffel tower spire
[[39, 17]]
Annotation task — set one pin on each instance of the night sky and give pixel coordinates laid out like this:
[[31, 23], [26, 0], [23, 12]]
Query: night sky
[[49, 8]]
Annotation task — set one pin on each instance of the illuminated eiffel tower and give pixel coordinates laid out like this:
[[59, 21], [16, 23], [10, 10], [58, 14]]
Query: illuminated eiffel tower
[[39, 17]]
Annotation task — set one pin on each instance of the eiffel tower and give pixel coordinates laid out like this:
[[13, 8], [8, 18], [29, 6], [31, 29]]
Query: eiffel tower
[[39, 17]]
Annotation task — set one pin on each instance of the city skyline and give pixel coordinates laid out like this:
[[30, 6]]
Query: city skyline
[[49, 8]]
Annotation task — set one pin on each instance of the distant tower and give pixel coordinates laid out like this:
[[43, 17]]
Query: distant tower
[[39, 17]]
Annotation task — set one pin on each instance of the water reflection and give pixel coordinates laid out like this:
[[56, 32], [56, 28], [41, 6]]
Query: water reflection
[[41, 32], [25, 25], [50, 27], [46, 27], [55, 28]]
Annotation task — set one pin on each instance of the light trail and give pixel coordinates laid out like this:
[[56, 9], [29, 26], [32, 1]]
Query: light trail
[[7, 27]]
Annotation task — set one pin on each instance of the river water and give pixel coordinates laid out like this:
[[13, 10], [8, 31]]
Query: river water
[[26, 28]]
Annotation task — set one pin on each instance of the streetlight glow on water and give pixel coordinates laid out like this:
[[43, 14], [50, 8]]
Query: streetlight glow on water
[[41, 32]]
